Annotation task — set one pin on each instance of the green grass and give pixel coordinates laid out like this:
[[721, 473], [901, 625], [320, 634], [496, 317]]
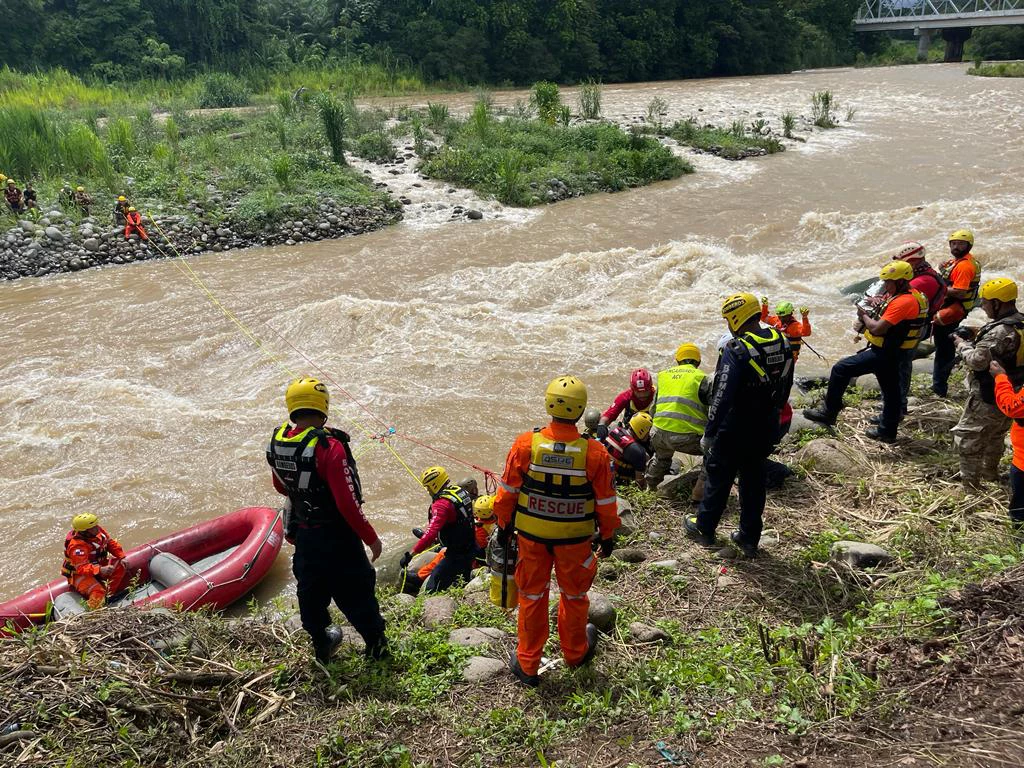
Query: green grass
[[731, 144], [513, 159], [1004, 69]]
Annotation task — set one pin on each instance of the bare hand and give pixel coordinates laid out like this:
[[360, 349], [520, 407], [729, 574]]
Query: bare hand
[[996, 368], [375, 549], [106, 571]]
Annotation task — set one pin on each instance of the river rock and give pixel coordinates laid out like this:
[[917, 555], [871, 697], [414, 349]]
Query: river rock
[[479, 669], [607, 571], [860, 555], [630, 555], [388, 571], [438, 610], [27, 226], [293, 623], [833, 457], [642, 633], [602, 613], [665, 565], [474, 637], [678, 486], [91, 244], [479, 583], [475, 215], [55, 234], [402, 600], [420, 560]]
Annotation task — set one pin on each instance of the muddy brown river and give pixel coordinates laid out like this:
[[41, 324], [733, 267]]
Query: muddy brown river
[[125, 391]]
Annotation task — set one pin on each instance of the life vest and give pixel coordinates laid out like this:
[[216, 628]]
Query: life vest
[[972, 292], [679, 408], [904, 335], [459, 536], [633, 408], [770, 357], [98, 545], [1014, 368], [924, 269], [293, 460], [618, 440], [556, 500]]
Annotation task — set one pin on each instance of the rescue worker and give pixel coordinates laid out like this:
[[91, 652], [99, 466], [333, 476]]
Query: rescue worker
[[982, 428], [12, 196], [556, 492], [637, 398], [133, 224], [93, 560], [485, 520], [628, 447], [680, 413], [313, 466], [66, 196], [591, 421], [784, 320], [29, 196], [962, 276], [81, 200], [121, 211], [752, 382], [450, 521], [933, 287], [898, 329], [1011, 403]]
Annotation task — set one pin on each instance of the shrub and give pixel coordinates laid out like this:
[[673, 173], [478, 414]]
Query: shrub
[[788, 124], [564, 115], [437, 115], [281, 167], [823, 109], [590, 100], [121, 138], [480, 120], [333, 119], [547, 100], [220, 89], [375, 146]]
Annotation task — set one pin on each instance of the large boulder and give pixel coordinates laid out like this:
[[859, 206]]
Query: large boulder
[[479, 669], [438, 610], [602, 613], [833, 457], [474, 637], [860, 555], [388, 571]]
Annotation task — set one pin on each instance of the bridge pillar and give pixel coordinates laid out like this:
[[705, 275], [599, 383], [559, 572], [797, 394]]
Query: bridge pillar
[[955, 39], [924, 41]]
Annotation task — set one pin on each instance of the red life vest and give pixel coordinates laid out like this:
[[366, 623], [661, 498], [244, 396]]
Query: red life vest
[[98, 546], [618, 440], [938, 297]]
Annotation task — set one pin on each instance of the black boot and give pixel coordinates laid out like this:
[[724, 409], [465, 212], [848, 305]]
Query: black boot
[[876, 433], [748, 550], [821, 415], [530, 681], [593, 635], [323, 649], [694, 532]]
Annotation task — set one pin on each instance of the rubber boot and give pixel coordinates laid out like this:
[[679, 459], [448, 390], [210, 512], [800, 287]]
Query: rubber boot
[[694, 532], [530, 681], [821, 415], [593, 636], [332, 639]]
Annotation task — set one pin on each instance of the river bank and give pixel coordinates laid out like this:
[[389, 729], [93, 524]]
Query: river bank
[[878, 623]]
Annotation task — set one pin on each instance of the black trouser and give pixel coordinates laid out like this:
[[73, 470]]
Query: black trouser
[[945, 358], [330, 563], [449, 570], [1016, 495], [885, 366], [906, 373], [722, 467]]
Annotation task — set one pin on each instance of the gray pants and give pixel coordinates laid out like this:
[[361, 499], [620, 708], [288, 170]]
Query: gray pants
[[664, 445], [979, 439]]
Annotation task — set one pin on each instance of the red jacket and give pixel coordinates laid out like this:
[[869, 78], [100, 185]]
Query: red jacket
[[442, 513], [1011, 403], [624, 399]]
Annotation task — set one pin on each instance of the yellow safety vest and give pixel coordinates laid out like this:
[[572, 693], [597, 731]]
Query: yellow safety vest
[[678, 407], [972, 296], [556, 500], [905, 335]]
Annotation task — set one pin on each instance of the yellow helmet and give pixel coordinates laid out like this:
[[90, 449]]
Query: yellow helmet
[[739, 308], [641, 424], [307, 394], [897, 270], [566, 398], [11, 182], [434, 479], [122, 199], [80, 189], [688, 352], [84, 521], [131, 209], [963, 234], [483, 508], [1001, 289]]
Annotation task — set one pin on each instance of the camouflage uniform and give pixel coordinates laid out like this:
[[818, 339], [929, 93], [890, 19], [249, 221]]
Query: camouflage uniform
[[980, 435]]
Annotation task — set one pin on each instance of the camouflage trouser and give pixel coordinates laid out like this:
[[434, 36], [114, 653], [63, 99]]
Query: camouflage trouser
[[663, 447], [979, 439]]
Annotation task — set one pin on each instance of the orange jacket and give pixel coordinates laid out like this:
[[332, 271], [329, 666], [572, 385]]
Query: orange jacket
[[1012, 404], [794, 331], [87, 555], [599, 473]]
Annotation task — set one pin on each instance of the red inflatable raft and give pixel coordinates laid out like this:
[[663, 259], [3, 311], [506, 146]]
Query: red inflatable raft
[[213, 563]]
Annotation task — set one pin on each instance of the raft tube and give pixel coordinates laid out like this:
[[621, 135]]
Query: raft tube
[[214, 563]]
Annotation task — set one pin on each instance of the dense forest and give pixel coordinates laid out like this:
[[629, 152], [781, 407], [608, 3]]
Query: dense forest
[[461, 41]]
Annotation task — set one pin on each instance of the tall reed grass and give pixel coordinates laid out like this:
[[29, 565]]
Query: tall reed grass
[[35, 146]]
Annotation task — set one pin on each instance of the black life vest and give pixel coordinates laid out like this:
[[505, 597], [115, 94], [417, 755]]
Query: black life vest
[[1014, 366], [293, 460], [771, 360], [458, 536], [98, 544], [619, 439]]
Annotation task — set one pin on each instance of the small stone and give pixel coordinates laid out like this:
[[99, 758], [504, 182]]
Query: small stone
[[860, 555], [655, 536], [642, 633], [323, 226], [607, 571], [669, 565], [475, 215], [472, 637], [480, 669], [91, 244], [602, 613], [293, 623], [55, 234], [629, 555], [438, 610], [727, 581], [403, 600]]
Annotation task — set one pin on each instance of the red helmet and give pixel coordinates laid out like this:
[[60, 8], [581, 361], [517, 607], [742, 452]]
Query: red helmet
[[640, 382]]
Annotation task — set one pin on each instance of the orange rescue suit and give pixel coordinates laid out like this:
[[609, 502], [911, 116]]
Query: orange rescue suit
[[794, 331], [573, 559], [84, 556], [133, 224]]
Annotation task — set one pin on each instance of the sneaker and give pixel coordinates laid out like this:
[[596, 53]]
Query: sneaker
[[748, 550], [530, 681], [821, 415], [593, 636], [694, 532], [323, 650], [875, 433]]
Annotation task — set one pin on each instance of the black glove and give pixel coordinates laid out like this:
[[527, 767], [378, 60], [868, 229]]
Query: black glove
[[607, 547], [602, 431], [504, 536], [417, 532], [406, 559]]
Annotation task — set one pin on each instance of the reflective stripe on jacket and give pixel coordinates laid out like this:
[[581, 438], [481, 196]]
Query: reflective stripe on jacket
[[556, 500], [678, 407]]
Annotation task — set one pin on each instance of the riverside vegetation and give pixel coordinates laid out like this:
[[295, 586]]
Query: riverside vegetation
[[803, 657]]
